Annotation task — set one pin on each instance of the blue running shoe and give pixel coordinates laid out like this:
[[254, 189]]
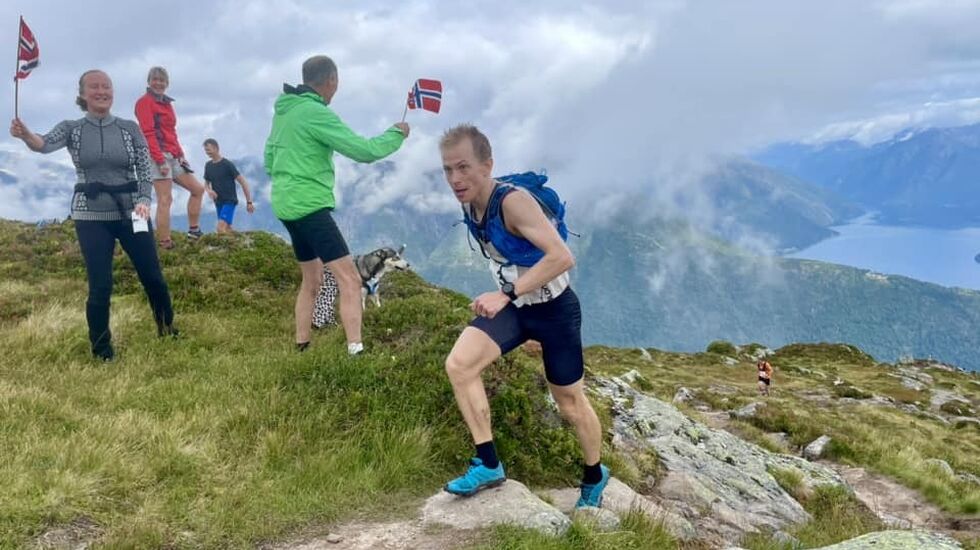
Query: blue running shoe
[[592, 492], [477, 477]]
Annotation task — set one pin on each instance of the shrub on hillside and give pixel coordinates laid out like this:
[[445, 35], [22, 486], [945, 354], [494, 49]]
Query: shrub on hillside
[[721, 347]]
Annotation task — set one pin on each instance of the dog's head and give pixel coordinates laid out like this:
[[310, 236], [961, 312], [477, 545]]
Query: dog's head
[[375, 264], [393, 258]]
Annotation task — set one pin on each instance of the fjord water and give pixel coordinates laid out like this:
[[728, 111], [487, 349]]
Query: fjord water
[[945, 257]]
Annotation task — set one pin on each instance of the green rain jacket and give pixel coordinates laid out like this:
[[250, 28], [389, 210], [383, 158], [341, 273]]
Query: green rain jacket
[[299, 152]]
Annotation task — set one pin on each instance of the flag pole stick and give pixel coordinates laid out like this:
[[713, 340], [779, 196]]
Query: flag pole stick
[[16, 70], [405, 112]]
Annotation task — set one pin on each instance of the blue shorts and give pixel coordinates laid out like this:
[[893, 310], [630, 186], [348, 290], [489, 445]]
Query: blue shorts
[[226, 212], [557, 325]]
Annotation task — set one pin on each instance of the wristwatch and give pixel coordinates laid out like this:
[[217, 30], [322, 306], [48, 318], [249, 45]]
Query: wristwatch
[[508, 289]]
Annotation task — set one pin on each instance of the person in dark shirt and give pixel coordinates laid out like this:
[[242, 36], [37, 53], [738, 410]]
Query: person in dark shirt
[[220, 176]]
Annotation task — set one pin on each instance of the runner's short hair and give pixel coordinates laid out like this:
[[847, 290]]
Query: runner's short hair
[[479, 141], [213, 142]]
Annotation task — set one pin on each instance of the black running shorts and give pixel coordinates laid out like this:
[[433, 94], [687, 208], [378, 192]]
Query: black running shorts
[[764, 380], [557, 324], [316, 236]]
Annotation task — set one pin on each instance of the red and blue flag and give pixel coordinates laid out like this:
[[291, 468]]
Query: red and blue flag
[[27, 52], [426, 94]]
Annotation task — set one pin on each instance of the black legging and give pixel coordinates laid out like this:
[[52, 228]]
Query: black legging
[[98, 242]]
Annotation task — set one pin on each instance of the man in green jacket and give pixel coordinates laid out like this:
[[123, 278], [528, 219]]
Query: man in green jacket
[[299, 159]]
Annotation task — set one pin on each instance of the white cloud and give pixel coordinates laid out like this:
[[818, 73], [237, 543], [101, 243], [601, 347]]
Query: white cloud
[[630, 96]]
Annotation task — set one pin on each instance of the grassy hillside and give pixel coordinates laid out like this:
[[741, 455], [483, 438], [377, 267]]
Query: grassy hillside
[[227, 437]]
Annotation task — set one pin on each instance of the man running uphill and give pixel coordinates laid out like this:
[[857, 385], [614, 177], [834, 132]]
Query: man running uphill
[[534, 301]]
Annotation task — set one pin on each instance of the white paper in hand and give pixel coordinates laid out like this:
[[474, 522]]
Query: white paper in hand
[[139, 224]]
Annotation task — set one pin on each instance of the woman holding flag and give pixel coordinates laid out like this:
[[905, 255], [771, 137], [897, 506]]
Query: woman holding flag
[[111, 202]]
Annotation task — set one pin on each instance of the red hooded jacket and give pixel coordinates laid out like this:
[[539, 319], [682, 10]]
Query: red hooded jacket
[[159, 124]]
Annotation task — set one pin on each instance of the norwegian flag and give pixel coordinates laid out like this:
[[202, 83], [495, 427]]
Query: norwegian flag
[[426, 94], [27, 52]]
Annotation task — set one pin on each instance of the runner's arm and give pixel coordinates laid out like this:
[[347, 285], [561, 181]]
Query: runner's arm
[[524, 218]]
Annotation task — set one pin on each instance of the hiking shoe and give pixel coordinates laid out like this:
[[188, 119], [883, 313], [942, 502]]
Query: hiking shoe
[[167, 330], [167, 244], [592, 492], [477, 477], [354, 349], [195, 233]]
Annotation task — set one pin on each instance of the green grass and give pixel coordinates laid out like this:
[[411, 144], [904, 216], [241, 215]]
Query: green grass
[[636, 531], [837, 516], [227, 436]]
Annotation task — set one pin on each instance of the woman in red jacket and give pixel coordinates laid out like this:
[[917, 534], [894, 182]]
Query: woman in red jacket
[[156, 117]]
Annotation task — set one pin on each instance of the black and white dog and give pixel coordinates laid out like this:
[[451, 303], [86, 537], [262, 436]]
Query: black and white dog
[[371, 267]]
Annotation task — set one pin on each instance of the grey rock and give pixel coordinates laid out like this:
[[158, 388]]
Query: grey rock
[[683, 395], [620, 498], [941, 397], [747, 411], [631, 376], [964, 421], [898, 540], [334, 538], [645, 354], [816, 448], [913, 384], [731, 361], [600, 518], [718, 481], [511, 503], [942, 466], [968, 478]]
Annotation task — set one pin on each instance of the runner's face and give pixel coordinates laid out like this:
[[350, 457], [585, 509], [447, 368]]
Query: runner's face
[[97, 92], [211, 151], [466, 175], [158, 84]]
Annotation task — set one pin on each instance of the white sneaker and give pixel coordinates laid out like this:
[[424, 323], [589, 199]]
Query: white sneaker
[[354, 349]]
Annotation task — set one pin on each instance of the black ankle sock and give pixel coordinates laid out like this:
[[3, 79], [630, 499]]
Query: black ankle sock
[[301, 346], [487, 454], [592, 474]]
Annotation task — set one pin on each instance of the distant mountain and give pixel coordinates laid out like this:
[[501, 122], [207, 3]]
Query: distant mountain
[[758, 202], [919, 177]]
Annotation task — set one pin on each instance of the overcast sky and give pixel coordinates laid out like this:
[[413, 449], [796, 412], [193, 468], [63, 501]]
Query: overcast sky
[[608, 96]]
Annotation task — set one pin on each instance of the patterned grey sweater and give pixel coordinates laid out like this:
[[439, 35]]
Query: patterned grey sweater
[[110, 151]]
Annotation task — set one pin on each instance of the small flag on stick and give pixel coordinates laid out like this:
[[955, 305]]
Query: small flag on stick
[[27, 52], [425, 94], [27, 59]]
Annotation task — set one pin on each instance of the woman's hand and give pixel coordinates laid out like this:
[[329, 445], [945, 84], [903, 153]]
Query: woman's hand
[[18, 129], [142, 211]]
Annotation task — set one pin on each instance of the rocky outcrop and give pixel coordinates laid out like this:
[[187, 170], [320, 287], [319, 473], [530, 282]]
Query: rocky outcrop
[[719, 482], [816, 448], [898, 540], [511, 503]]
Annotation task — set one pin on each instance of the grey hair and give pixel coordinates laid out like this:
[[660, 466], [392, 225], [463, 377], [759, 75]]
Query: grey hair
[[158, 71], [318, 69]]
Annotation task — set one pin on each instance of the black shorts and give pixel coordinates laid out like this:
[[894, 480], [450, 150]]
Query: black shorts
[[316, 236], [556, 324], [764, 380]]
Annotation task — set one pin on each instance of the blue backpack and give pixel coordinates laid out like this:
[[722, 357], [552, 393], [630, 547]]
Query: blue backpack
[[517, 250]]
